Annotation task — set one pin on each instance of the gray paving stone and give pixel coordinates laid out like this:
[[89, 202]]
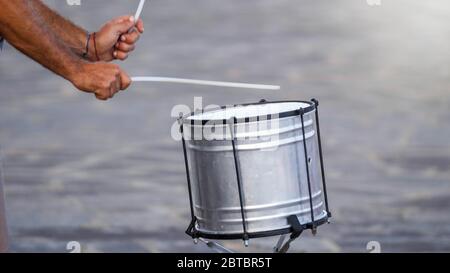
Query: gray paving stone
[[110, 176]]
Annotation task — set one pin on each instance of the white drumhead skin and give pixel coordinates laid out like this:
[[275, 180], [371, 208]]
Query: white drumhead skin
[[250, 111]]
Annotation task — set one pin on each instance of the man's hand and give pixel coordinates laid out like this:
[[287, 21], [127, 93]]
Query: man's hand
[[102, 79], [114, 41]]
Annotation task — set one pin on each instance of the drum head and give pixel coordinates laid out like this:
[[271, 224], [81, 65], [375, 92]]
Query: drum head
[[246, 112]]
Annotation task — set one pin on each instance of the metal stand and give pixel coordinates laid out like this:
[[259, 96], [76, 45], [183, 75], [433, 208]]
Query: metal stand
[[296, 227], [216, 246], [297, 231]]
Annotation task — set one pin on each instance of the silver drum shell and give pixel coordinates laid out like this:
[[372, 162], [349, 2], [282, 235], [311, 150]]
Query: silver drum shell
[[273, 174]]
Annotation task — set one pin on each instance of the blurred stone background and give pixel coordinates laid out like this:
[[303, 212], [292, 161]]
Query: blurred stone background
[[110, 176]]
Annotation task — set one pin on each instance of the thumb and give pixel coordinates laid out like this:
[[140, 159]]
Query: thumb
[[123, 24], [125, 80]]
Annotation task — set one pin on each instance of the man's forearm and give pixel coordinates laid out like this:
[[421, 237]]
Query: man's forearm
[[23, 27], [69, 33]]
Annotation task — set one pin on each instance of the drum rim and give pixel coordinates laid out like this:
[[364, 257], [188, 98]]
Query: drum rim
[[312, 106], [261, 234]]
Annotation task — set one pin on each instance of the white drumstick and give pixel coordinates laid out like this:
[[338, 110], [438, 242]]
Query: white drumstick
[[139, 10], [138, 13], [210, 83]]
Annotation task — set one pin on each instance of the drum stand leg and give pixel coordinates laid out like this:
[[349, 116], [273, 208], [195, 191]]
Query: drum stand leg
[[216, 246], [297, 231], [279, 244]]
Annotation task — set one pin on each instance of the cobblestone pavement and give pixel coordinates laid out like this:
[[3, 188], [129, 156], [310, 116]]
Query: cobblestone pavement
[[110, 176]]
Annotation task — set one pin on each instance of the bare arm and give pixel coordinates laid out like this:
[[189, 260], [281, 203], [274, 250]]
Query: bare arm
[[24, 27], [72, 35]]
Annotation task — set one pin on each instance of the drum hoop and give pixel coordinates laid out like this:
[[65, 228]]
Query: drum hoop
[[312, 106], [260, 234]]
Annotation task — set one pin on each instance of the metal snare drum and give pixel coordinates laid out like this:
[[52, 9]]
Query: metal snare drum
[[254, 170]]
